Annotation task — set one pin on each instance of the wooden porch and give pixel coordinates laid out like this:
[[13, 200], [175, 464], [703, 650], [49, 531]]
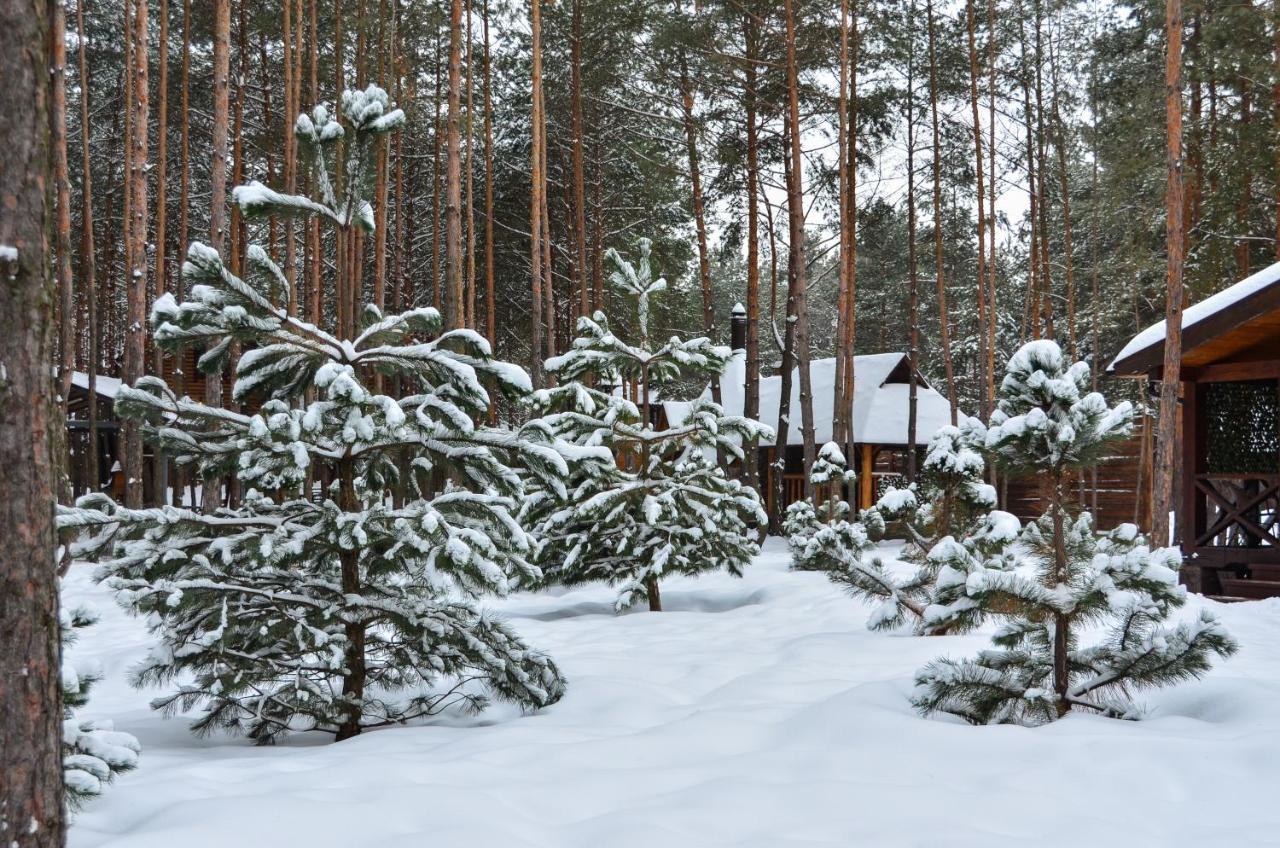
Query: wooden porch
[[887, 464]]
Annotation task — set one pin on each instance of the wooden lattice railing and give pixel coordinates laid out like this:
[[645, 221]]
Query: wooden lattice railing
[[1234, 511]]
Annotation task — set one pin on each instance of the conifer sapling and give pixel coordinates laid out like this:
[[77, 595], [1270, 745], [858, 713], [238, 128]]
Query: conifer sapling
[[340, 593], [657, 504], [1049, 424]]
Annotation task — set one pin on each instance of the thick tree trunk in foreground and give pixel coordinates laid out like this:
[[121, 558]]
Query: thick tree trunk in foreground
[[1167, 436], [31, 805]]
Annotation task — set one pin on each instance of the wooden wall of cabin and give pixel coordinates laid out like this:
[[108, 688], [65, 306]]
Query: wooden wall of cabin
[[1117, 492]]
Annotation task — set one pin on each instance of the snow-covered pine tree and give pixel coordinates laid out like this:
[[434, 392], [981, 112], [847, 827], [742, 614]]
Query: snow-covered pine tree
[[93, 751], [661, 505], [1049, 424], [951, 497], [339, 594], [830, 474], [828, 506]]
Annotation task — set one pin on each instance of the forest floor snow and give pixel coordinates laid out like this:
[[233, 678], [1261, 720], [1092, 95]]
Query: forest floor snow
[[753, 712]]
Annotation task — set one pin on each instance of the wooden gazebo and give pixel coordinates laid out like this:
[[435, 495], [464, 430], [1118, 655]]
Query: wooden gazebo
[[1228, 515]]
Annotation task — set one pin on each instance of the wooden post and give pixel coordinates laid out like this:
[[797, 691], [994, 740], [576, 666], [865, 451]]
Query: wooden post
[[1191, 520], [865, 481]]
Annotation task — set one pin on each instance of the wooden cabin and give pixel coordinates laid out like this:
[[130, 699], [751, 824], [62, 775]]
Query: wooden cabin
[[178, 373], [1228, 511], [880, 415]]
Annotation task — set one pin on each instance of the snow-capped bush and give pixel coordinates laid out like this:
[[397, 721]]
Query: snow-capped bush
[[951, 496]]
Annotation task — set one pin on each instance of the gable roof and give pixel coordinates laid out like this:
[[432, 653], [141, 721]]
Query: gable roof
[[880, 402], [1253, 303], [106, 387]]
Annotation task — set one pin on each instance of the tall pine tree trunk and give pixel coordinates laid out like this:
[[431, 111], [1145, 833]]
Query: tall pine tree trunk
[[469, 215], [913, 269], [1275, 117], [437, 171], [699, 212], [211, 496], [579, 167], [991, 305], [795, 215], [454, 305], [32, 812], [785, 372], [751, 398], [136, 244], [159, 467], [535, 199], [1064, 184], [1167, 435], [62, 187], [970, 27], [939, 263], [88, 257], [850, 260], [490, 302]]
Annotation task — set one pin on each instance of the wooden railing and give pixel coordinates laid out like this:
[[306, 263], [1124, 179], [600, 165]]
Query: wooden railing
[[1234, 517]]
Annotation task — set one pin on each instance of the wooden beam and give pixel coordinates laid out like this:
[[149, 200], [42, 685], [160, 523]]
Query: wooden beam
[[1227, 371], [1192, 519], [866, 491]]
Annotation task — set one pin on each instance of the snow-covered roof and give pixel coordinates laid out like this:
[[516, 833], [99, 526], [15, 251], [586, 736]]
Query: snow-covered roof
[[880, 406], [1213, 305], [108, 387]]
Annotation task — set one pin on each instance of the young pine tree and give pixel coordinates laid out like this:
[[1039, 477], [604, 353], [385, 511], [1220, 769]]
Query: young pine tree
[[949, 499], [951, 496], [1048, 424], [806, 516], [339, 595], [659, 504], [93, 751]]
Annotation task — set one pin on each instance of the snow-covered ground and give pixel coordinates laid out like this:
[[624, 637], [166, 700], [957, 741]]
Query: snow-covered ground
[[755, 712]]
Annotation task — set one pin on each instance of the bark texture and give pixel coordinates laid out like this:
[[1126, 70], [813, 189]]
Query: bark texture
[[31, 806]]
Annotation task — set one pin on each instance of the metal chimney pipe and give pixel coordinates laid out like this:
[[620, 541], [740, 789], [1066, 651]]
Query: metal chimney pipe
[[738, 327]]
